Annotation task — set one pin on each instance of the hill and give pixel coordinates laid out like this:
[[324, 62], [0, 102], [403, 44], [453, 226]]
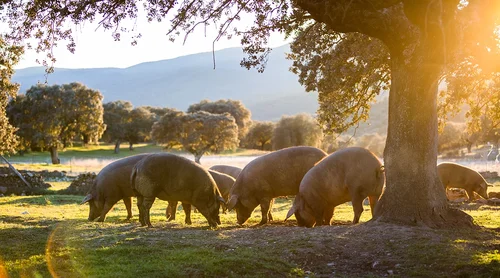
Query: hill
[[181, 81]]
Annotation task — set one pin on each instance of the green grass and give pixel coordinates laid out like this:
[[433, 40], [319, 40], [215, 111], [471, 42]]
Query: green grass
[[45, 236]]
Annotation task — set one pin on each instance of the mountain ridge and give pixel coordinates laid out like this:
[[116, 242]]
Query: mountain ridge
[[182, 81]]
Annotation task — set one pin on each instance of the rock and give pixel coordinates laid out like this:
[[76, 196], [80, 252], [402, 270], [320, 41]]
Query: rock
[[494, 202], [481, 201], [494, 195], [459, 200], [390, 272], [81, 185]]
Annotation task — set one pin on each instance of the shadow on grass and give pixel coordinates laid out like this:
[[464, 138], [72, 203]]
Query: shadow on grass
[[42, 200]]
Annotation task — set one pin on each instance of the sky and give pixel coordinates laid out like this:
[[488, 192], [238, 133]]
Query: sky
[[95, 47]]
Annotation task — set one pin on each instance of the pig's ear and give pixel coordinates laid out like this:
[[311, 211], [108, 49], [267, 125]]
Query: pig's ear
[[291, 211], [232, 202], [86, 199]]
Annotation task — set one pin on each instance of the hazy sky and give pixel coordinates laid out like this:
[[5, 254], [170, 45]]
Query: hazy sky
[[96, 47]]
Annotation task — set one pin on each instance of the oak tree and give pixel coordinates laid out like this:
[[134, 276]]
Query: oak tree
[[259, 135], [9, 57], [234, 107], [423, 40], [298, 130]]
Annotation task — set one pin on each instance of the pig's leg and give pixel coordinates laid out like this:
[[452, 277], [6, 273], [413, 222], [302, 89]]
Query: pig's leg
[[269, 215], [171, 210], [108, 204], [357, 206], [471, 194], [187, 211], [265, 205], [327, 215], [147, 204], [140, 201], [373, 202], [128, 205]]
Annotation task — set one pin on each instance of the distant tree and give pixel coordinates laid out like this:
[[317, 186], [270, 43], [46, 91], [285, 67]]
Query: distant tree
[[18, 112], [51, 116], [167, 129], [234, 107], [9, 57], [157, 111], [116, 118], [138, 129], [89, 113], [259, 135], [204, 132], [451, 137], [298, 130]]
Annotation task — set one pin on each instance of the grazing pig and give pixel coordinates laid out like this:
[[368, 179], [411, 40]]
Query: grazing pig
[[458, 176], [224, 183], [174, 178], [350, 174], [226, 169], [269, 176], [111, 185]]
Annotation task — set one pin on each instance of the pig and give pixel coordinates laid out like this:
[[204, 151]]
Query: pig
[[233, 171], [111, 185], [349, 174], [171, 177], [458, 176], [224, 183], [269, 176]]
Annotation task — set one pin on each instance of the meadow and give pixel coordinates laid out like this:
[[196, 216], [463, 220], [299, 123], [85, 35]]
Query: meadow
[[49, 235]]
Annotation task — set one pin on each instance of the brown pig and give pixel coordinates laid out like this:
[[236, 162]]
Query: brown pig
[[233, 171], [454, 175], [174, 178], [111, 185], [224, 183], [349, 174], [269, 176]]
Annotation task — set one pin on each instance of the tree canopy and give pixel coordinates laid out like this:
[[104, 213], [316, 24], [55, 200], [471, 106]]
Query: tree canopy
[[234, 107], [9, 57], [259, 135], [298, 130], [51, 117], [198, 133]]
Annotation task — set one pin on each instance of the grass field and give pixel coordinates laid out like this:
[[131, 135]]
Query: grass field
[[49, 235]]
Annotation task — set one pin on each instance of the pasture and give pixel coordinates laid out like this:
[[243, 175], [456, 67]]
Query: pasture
[[49, 235]]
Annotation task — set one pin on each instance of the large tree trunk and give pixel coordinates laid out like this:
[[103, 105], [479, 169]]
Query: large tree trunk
[[414, 194], [130, 146], [54, 155]]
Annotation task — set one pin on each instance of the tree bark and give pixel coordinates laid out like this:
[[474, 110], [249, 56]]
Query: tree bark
[[414, 194], [469, 146], [130, 146], [86, 139], [117, 146], [54, 155]]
